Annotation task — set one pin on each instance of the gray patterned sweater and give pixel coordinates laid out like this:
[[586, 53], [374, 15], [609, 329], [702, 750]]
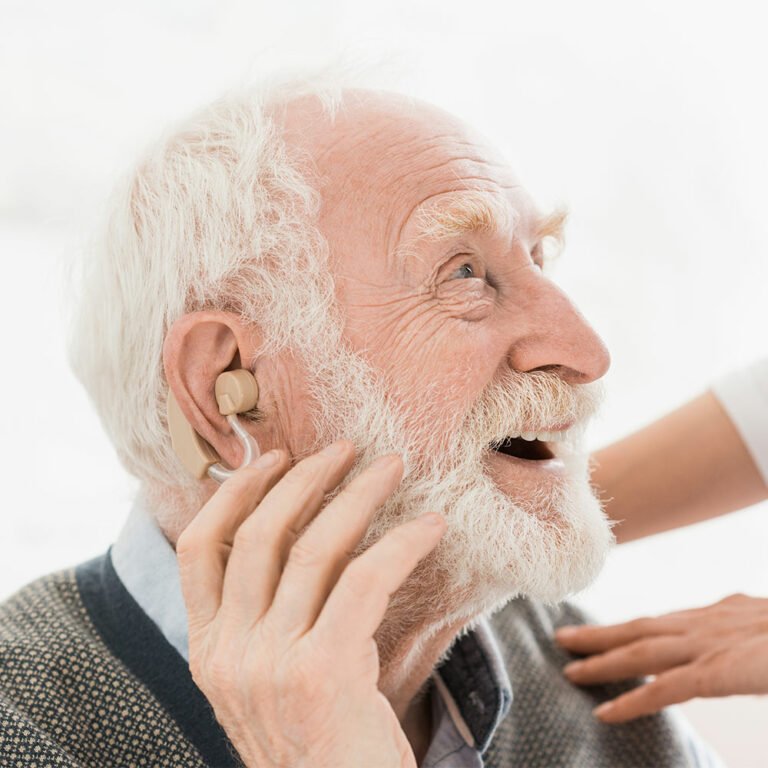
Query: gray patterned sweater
[[87, 680]]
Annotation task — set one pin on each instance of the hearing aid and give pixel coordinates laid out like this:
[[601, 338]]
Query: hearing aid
[[236, 392]]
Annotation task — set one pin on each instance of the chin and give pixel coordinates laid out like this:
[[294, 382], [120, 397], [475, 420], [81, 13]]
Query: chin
[[543, 536], [499, 546], [546, 548]]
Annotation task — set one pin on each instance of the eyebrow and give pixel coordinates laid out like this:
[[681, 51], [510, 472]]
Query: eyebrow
[[465, 212]]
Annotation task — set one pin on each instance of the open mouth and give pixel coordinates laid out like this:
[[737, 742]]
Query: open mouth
[[519, 448]]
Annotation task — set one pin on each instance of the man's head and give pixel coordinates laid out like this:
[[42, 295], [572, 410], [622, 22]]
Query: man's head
[[378, 267]]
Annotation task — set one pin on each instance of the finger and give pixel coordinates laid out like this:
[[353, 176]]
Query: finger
[[358, 602], [673, 687], [324, 550], [203, 548], [643, 657], [594, 639], [262, 543]]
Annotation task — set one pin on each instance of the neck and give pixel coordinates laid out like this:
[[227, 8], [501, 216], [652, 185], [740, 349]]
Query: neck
[[404, 681]]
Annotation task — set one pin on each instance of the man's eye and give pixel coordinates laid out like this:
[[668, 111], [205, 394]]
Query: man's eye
[[465, 270]]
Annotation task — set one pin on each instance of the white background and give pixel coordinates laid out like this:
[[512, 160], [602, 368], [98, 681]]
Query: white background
[[647, 119]]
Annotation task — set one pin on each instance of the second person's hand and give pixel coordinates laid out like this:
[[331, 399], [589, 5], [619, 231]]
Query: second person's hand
[[719, 650]]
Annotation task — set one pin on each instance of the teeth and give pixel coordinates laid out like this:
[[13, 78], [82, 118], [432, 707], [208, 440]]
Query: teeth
[[544, 437]]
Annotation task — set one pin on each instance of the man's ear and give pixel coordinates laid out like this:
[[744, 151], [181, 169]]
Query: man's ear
[[198, 347]]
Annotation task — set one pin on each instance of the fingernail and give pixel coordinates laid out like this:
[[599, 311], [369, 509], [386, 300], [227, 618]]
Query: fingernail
[[603, 709], [566, 632], [334, 449], [268, 459], [574, 666], [384, 462], [432, 518]]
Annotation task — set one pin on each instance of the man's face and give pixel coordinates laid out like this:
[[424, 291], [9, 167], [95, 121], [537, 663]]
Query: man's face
[[437, 252]]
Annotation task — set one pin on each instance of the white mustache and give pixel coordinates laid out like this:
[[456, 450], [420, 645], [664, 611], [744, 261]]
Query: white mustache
[[539, 401]]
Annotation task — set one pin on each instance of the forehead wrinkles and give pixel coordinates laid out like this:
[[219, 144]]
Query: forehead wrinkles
[[383, 174], [381, 167]]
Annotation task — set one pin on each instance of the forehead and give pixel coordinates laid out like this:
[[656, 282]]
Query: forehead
[[385, 159]]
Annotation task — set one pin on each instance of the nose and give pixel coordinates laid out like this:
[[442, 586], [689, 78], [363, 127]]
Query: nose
[[558, 338]]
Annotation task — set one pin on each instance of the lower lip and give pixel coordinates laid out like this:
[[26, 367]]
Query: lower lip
[[553, 466], [524, 479]]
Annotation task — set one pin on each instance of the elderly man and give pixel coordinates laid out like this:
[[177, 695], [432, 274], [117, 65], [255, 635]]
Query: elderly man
[[364, 593]]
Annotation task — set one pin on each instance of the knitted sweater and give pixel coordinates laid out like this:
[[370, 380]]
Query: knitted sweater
[[87, 680]]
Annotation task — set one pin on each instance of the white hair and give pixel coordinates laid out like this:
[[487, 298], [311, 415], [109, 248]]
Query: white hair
[[215, 216]]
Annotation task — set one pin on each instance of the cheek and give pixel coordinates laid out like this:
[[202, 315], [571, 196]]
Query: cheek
[[433, 365], [441, 378]]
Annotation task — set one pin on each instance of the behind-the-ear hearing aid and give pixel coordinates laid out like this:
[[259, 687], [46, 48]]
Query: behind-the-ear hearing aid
[[236, 392]]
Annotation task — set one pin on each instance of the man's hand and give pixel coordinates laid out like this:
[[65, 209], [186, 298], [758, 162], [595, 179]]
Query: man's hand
[[281, 628], [719, 650]]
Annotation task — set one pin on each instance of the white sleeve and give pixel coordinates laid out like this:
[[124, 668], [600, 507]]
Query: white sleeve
[[744, 395]]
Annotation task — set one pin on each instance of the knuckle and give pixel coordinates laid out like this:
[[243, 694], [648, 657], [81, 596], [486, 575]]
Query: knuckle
[[655, 692], [702, 680], [196, 668], [352, 493], [735, 599], [588, 667], [642, 650], [302, 473], [220, 673], [642, 625], [711, 674], [370, 653], [360, 581], [254, 532], [727, 601], [188, 544], [303, 555]]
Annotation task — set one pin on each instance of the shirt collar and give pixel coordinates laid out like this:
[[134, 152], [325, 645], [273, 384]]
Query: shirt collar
[[473, 682], [475, 686], [145, 562]]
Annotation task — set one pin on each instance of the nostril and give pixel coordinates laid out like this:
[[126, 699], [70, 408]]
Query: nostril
[[568, 375]]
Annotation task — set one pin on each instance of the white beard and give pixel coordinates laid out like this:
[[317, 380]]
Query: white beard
[[496, 547]]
